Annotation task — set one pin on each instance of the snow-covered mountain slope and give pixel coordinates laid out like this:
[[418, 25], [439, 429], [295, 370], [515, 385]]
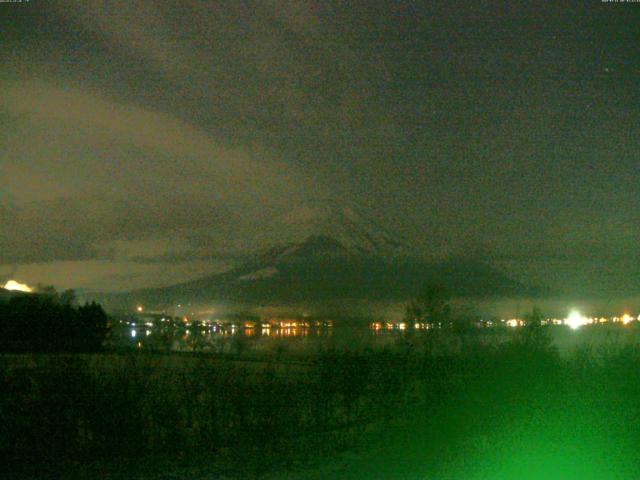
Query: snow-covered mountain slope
[[343, 224], [320, 233]]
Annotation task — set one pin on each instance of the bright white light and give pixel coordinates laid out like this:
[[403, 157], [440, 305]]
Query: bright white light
[[575, 320], [133, 333], [139, 308], [18, 287]]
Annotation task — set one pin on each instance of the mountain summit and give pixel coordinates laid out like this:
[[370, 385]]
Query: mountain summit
[[328, 221]]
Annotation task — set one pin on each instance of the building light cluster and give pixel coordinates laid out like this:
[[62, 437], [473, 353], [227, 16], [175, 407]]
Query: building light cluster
[[574, 320]]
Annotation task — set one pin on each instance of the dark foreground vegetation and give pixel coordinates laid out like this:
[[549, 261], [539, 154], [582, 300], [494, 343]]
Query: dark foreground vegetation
[[414, 410], [51, 322]]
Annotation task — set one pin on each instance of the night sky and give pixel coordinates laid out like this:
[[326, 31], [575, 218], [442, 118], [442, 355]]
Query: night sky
[[146, 142]]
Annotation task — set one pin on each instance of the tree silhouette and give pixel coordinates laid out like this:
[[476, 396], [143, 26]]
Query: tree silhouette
[[534, 334], [431, 306], [51, 322], [68, 297]]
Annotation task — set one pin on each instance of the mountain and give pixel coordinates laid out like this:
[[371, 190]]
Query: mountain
[[334, 253], [345, 225]]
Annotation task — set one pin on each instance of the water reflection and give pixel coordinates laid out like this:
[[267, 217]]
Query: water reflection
[[182, 334], [161, 333], [135, 329]]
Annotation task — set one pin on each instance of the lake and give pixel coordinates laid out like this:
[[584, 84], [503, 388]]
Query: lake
[[301, 338]]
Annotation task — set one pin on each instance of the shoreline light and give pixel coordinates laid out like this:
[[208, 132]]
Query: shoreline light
[[17, 286], [575, 320]]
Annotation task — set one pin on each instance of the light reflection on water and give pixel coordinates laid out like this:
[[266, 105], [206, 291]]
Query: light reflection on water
[[304, 337], [230, 338]]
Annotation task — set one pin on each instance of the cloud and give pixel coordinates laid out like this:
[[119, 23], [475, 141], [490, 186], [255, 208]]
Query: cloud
[[237, 58], [130, 146], [109, 275], [85, 172]]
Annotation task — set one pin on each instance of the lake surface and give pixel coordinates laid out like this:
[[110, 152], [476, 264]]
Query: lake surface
[[308, 338], [234, 339]]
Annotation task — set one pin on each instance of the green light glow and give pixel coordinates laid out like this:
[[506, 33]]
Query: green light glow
[[575, 320]]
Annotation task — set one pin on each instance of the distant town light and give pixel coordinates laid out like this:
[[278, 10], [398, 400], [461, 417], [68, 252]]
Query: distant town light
[[139, 308], [575, 320], [18, 287], [626, 318]]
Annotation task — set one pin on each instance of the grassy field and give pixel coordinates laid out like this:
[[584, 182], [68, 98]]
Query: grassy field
[[415, 409]]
